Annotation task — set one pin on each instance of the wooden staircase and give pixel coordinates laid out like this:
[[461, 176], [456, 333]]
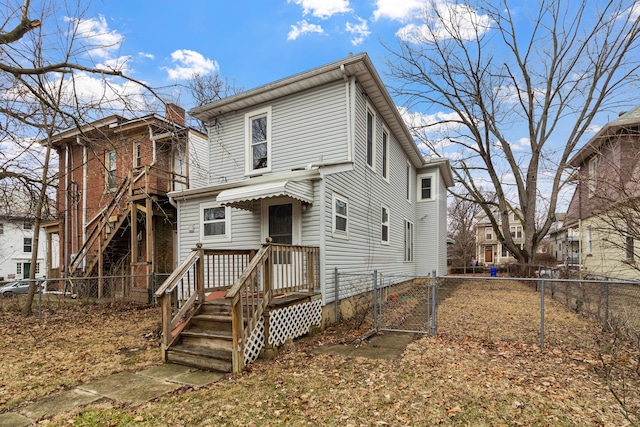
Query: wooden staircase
[[206, 339]]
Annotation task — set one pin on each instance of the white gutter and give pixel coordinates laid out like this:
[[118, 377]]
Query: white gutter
[[153, 142]]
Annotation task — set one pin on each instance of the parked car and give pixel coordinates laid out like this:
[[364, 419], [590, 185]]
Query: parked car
[[19, 287]]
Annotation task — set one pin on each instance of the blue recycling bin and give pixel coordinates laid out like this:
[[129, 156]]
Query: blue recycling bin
[[494, 271]]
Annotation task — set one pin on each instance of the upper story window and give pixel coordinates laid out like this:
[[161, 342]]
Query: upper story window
[[27, 225], [340, 215], [426, 190], [408, 182], [27, 244], [110, 164], [593, 177], [1, 228], [488, 232], [371, 147], [516, 232], [216, 222], [384, 223], [258, 141], [385, 155], [137, 155]]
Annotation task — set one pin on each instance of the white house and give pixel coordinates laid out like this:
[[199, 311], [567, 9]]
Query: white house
[[16, 248], [322, 159]]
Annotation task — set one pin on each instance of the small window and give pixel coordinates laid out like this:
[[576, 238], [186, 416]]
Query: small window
[[215, 220], [27, 244], [110, 164], [589, 241], [593, 177], [408, 241], [384, 223], [426, 190], [37, 268], [385, 155], [258, 134], [137, 155], [1, 228], [19, 269], [27, 225], [504, 251], [370, 139], [629, 248], [340, 215], [488, 231]]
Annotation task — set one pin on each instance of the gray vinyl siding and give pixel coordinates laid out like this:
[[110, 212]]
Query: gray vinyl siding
[[431, 228], [366, 191], [308, 127], [198, 160]]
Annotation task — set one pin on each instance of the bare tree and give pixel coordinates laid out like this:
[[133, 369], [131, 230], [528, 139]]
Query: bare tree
[[461, 214], [541, 74], [208, 88], [40, 68]]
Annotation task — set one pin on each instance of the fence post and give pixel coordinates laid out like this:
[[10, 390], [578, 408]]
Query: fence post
[[434, 305], [375, 300], [336, 291], [542, 314], [570, 298], [606, 305]]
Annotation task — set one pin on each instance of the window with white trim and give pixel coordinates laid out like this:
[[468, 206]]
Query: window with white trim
[[37, 268], [385, 154], [340, 215], [408, 181], [258, 141], [1, 228], [216, 222], [426, 190], [488, 231], [593, 178], [589, 241], [137, 155], [408, 240], [384, 225], [27, 244], [110, 164], [516, 231], [19, 269], [371, 141]]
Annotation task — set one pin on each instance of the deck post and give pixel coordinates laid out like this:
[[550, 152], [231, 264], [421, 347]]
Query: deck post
[[237, 352], [166, 324], [310, 270], [200, 272]]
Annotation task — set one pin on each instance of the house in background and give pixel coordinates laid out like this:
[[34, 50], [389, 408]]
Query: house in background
[[319, 163], [563, 243], [489, 247], [114, 216], [604, 211], [16, 248]]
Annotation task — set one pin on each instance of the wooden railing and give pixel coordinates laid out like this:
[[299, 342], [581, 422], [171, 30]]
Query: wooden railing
[[275, 270], [203, 271], [252, 279]]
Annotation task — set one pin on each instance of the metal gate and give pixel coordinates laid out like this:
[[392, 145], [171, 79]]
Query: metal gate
[[405, 304]]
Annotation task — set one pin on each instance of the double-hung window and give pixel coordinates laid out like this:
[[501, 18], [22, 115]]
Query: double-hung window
[[371, 141], [27, 245], [385, 155], [408, 241], [216, 222], [426, 184], [340, 215], [258, 141], [110, 164], [384, 225]]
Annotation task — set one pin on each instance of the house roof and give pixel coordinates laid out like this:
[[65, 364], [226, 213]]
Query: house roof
[[630, 118], [359, 66]]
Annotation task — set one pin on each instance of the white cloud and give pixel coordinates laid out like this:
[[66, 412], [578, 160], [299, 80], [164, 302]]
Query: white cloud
[[447, 21], [188, 63], [322, 8], [146, 55], [359, 31], [96, 36], [398, 10], [119, 64], [303, 27]]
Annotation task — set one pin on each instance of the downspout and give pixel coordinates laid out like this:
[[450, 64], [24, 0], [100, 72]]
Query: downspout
[[153, 142], [348, 99], [84, 191], [65, 249]]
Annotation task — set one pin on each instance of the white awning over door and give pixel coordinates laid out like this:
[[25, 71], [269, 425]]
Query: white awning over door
[[243, 197]]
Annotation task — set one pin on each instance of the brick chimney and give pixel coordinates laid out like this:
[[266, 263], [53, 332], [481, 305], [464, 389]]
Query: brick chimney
[[175, 114]]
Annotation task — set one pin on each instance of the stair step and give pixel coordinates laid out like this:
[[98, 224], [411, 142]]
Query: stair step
[[214, 340], [212, 322], [203, 358]]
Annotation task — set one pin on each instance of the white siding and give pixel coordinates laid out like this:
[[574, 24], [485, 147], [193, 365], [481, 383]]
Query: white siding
[[431, 228], [198, 160], [11, 249]]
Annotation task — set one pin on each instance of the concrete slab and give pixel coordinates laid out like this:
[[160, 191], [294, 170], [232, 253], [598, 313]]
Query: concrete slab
[[12, 419], [62, 402], [182, 374], [388, 345], [126, 387]]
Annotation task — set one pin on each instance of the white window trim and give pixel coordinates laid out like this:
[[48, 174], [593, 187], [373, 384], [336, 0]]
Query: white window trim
[[335, 232], [296, 212], [111, 167], [385, 170], [408, 183], [388, 225], [248, 167], [411, 242], [419, 187], [371, 166], [226, 237], [593, 176]]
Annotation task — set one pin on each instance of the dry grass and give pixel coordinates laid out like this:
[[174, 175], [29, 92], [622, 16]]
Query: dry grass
[[485, 368]]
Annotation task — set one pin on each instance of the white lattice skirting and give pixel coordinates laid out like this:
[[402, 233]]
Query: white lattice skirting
[[293, 321], [255, 343], [285, 323]]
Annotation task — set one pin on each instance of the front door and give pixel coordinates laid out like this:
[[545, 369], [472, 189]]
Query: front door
[[282, 225], [488, 254], [26, 270]]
